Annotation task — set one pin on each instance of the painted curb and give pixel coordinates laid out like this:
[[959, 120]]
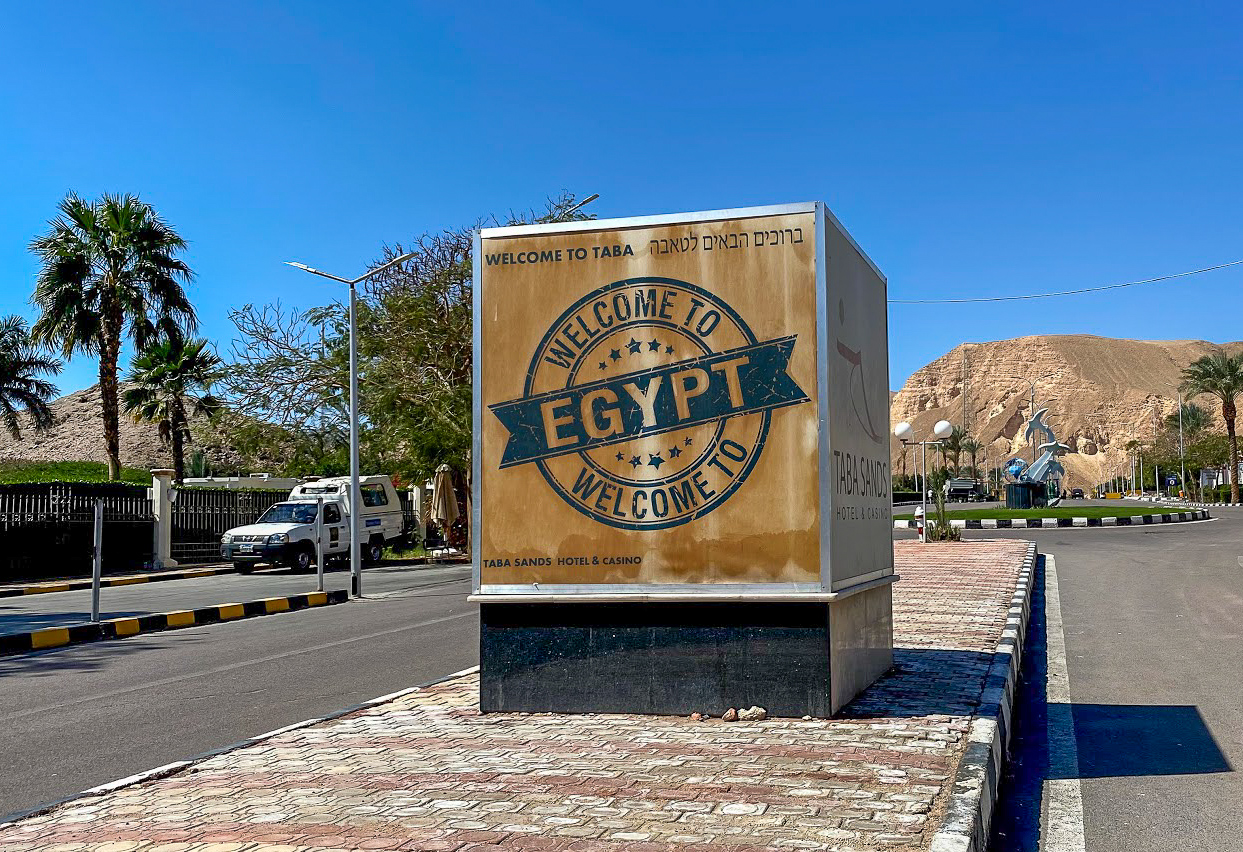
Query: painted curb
[[77, 584], [975, 789], [1208, 505], [167, 769], [120, 628], [1063, 523], [17, 591]]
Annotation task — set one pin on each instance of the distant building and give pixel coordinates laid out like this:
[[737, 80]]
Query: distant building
[[237, 483]]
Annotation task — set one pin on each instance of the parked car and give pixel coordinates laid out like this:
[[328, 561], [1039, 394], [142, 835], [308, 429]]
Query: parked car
[[285, 533], [1076, 493]]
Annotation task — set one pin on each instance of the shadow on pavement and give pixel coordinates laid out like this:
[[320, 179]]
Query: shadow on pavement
[[1114, 740], [924, 682], [88, 656], [1110, 740]]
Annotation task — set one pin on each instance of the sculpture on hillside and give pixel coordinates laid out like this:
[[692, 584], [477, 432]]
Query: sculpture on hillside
[[1046, 465]]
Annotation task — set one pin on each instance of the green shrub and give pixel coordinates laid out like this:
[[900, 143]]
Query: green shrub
[[942, 529], [69, 471]]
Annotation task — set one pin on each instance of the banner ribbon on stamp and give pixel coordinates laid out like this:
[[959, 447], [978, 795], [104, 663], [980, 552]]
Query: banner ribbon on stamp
[[697, 390]]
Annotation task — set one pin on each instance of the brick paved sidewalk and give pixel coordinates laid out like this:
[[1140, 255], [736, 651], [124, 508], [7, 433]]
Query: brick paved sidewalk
[[428, 772]]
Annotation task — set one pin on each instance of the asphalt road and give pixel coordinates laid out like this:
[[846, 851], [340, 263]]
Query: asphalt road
[[81, 716], [1151, 734], [58, 609]]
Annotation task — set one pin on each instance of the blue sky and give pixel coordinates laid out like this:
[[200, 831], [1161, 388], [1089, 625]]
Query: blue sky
[[970, 149]]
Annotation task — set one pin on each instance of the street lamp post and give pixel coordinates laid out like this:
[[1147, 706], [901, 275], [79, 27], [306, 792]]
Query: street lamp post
[[356, 572], [903, 433]]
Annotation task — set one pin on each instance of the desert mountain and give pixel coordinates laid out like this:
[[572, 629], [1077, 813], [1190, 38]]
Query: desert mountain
[[1101, 393], [78, 435]]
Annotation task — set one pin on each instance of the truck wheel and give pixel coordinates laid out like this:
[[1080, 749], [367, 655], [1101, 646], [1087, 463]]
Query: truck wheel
[[373, 551], [303, 560]]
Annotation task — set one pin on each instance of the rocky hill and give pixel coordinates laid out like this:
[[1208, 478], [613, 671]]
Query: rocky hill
[[78, 435], [1101, 393]]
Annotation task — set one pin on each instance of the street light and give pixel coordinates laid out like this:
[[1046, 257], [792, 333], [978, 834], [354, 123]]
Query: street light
[[356, 568], [903, 432]]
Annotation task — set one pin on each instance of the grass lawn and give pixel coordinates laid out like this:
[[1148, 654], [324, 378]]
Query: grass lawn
[[72, 471], [1057, 512]]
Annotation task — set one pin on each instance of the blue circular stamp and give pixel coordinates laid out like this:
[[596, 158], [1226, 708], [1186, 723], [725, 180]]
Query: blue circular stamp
[[647, 403]]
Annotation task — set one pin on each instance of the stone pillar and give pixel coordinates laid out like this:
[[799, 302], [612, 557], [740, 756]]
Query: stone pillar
[[417, 493], [162, 507]]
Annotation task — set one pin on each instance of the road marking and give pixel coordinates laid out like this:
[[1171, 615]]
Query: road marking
[[310, 649], [1063, 792]]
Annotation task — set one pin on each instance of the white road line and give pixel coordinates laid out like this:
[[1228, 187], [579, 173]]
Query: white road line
[[1063, 791], [168, 681]]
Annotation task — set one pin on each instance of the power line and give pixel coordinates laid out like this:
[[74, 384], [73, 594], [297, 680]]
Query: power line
[[1062, 292]]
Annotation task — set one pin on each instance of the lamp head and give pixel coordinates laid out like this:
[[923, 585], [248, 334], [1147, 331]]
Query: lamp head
[[902, 431], [942, 429]]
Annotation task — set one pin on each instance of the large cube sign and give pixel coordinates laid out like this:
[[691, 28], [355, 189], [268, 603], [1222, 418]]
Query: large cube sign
[[688, 404]]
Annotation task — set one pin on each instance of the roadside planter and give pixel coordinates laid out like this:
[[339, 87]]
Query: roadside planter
[[681, 467]]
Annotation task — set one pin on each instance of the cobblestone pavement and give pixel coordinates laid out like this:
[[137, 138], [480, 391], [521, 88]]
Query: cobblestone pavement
[[428, 772]]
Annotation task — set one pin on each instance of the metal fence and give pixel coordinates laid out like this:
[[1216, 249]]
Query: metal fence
[[47, 529], [202, 515]]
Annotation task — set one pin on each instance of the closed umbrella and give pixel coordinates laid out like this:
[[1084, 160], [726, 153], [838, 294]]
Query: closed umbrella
[[444, 500]]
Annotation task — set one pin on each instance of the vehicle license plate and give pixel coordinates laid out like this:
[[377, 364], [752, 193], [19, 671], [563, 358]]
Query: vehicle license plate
[[246, 548]]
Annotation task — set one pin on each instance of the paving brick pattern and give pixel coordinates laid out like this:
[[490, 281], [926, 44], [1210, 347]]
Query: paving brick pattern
[[428, 772]]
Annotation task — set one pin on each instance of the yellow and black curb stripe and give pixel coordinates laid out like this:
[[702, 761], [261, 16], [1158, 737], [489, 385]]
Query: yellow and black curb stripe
[[119, 628], [124, 580]]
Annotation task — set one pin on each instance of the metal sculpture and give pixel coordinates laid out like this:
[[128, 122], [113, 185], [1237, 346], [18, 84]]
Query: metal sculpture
[[1046, 466]]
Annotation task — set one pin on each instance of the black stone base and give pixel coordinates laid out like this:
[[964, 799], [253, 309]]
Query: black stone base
[[655, 658]]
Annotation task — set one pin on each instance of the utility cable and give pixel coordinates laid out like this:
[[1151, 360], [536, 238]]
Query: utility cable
[[1063, 292]]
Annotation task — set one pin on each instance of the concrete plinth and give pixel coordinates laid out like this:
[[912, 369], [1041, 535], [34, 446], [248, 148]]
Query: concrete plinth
[[677, 658]]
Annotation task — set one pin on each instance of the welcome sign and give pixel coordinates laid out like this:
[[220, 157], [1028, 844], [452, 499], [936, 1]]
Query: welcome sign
[[651, 405]]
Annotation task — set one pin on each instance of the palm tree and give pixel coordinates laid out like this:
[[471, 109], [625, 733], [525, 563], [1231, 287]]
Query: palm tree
[[951, 445], [21, 388], [1195, 419], [110, 272], [170, 383], [971, 447], [1221, 375]]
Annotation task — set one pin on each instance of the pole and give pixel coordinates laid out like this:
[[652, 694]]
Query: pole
[[923, 493], [97, 560], [319, 543], [1033, 438], [356, 573], [1182, 456]]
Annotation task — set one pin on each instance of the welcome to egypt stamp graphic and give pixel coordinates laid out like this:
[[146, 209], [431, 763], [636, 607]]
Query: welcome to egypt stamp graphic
[[647, 403]]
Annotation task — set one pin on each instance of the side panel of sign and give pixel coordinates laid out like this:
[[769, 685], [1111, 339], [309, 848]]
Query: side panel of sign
[[861, 533], [648, 406]]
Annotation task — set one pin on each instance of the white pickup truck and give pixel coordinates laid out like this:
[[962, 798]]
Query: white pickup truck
[[285, 533]]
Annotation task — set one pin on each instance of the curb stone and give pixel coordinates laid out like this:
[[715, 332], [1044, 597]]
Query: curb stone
[[976, 783], [45, 587], [119, 628], [41, 588], [179, 765], [1049, 523], [1207, 505]]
